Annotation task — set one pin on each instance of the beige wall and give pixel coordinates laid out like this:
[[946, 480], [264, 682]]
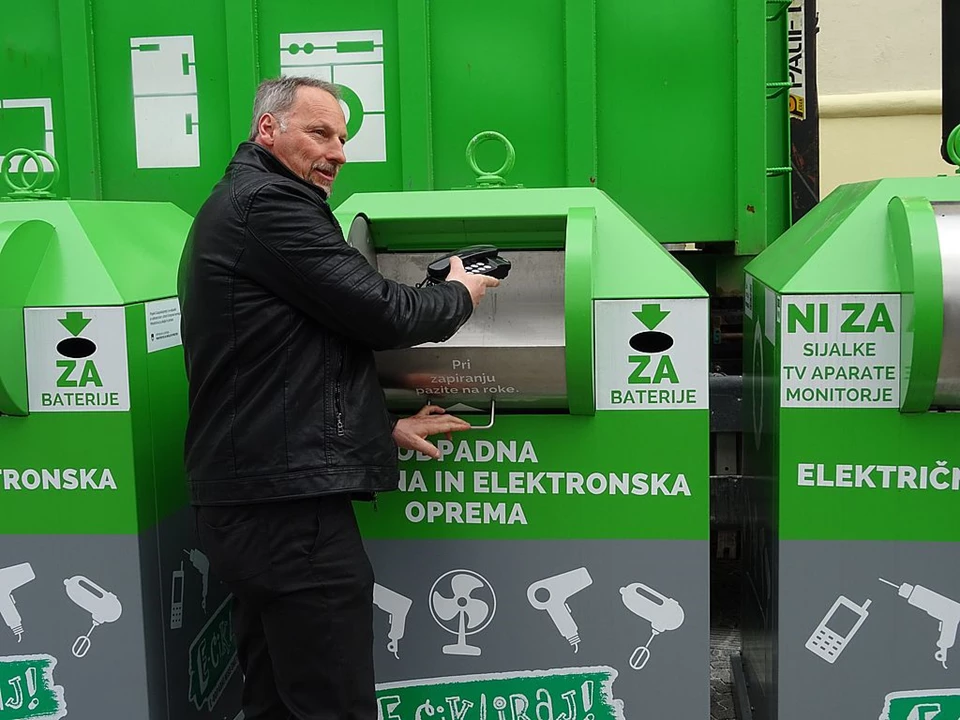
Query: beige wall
[[878, 69], [878, 45], [861, 144]]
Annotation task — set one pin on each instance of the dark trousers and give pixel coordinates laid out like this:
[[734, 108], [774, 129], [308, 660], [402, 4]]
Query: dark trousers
[[303, 606]]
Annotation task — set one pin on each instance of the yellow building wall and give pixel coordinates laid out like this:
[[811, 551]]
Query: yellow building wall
[[871, 136], [878, 77]]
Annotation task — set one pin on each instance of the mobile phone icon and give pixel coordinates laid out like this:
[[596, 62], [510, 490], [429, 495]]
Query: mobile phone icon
[[837, 628], [176, 599]]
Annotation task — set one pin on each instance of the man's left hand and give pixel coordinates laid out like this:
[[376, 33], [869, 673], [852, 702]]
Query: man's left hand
[[410, 433]]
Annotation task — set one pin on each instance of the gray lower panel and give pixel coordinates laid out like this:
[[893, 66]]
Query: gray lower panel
[[125, 657], [110, 680], [203, 679], [892, 651], [519, 638], [156, 653]]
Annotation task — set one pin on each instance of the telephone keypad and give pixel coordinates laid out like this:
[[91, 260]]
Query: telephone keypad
[[477, 260]]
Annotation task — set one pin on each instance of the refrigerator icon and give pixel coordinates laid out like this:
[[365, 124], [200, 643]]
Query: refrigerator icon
[[166, 117], [39, 110]]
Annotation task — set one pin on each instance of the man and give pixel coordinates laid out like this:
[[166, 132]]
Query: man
[[288, 424]]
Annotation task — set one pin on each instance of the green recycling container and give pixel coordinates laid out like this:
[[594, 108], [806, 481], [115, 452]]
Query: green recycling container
[[107, 605], [554, 562], [852, 369]]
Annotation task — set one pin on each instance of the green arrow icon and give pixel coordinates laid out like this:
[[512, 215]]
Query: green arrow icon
[[74, 322], [651, 315]]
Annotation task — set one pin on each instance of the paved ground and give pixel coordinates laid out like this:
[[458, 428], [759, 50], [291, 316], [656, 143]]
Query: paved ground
[[724, 636], [722, 643]]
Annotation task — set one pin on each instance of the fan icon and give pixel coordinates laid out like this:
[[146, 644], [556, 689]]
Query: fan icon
[[472, 613]]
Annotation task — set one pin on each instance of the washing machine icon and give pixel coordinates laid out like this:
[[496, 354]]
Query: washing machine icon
[[354, 61]]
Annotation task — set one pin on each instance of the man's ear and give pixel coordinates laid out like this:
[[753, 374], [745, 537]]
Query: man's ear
[[268, 126]]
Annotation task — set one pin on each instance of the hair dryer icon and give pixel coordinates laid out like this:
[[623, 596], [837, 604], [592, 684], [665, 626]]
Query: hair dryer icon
[[662, 612], [396, 606], [12, 578], [936, 606], [552, 593]]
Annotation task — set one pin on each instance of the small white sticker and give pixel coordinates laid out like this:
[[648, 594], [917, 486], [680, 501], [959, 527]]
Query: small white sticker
[[77, 359], [770, 315], [748, 297], [163, 324], [652, 354]]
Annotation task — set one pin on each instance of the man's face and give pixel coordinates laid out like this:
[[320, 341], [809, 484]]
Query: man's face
[[312, 139]]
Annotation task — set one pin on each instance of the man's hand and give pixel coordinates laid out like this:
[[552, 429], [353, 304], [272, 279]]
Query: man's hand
[[411, 433], [476, 284]]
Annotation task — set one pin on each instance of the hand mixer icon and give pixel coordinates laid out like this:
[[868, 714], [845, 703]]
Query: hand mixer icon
[[663, 613], [103, 606]]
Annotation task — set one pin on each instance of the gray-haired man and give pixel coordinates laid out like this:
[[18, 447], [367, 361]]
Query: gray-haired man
[[287, 423]]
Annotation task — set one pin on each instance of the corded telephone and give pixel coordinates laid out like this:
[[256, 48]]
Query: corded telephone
[[477, 259]]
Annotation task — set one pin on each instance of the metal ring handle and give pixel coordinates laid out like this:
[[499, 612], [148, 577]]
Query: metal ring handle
[[497, 175], [953, 146], [37, 184], [7, 167]]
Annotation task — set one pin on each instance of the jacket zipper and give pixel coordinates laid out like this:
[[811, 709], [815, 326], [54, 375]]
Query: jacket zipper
[[339, 412], [337, 400]]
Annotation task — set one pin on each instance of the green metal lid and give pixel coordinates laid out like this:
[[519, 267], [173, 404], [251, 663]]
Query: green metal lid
[[94, 252], [841, 245]]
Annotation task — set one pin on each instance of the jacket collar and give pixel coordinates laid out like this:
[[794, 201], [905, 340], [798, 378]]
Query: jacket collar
[[256, 156]]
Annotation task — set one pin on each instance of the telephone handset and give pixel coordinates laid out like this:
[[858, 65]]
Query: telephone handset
[[477, 259]]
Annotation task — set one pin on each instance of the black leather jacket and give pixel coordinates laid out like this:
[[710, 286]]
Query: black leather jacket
[[280, 318]]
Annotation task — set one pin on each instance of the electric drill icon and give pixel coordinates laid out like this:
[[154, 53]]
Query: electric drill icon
[[202, 565], [12, 578], [936, 606]]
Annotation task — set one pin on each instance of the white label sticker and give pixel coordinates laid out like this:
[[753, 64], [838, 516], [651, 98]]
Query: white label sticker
[[163, 324], [798, 55], [77, 359], [652, 354], [748, 297], [840, 351], [770, 315]]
